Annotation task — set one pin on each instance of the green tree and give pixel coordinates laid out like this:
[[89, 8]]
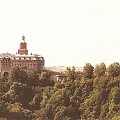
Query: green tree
[[116, 118], [16, 112], [35, 103], [18, 75], [44, 75], [19, 92], [32, 78], [114, 69], [70, 73], [100, 69], [44, 79], [88, 70]]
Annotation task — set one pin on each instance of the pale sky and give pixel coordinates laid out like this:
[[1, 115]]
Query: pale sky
[[64, 32]]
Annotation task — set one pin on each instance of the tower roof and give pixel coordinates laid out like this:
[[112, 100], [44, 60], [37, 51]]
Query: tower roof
[[23, 39]]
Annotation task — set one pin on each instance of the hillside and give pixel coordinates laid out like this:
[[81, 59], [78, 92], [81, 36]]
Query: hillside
[[95, 95], [61, 68]]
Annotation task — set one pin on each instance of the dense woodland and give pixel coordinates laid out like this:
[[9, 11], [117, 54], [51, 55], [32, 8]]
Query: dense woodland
[[93, 94]]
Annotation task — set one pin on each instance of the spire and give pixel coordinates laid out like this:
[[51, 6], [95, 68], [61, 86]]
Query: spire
[[23, 38], [23, 47]]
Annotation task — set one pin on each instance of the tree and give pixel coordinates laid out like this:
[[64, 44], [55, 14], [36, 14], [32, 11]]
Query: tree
[[114, 69], [70, 73], [18, 75], [35, 103], [44, 75], [88, 70], [32, 78], [100, 69], [116, 118], [44, 79], [19, 92], [16, 112]]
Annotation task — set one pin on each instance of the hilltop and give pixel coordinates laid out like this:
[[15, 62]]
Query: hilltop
[[62, 68]]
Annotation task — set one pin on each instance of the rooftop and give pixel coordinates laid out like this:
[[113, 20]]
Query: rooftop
[[23, 56]]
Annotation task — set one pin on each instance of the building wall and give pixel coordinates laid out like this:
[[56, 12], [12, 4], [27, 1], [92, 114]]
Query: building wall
[[35, 65], [5, 66], [32, 62]]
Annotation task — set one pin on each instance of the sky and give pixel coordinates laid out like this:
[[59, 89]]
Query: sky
[[64, 32]]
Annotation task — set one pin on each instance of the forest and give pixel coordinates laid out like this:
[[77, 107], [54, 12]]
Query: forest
[[90, 94]]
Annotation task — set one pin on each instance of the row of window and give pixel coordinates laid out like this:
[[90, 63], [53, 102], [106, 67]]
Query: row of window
[[25, 65], [27, 58], [24, 58]]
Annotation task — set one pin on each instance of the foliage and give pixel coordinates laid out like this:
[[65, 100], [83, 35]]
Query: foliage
[[28, 95], [18, 75], [88, 70], [100, 69], [44, 79], [32, 78], [114, 69], [16, 111], [70, 73], [18, 92]]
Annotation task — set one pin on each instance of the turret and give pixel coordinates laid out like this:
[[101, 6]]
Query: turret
[[23, 47]]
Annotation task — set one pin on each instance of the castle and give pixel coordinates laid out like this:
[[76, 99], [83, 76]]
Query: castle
[[21, 59]]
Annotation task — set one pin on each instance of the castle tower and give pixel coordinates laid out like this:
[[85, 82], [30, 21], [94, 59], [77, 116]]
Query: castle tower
[[23, 47]]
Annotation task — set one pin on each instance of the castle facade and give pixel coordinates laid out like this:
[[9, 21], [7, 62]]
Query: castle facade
[[21, 59]]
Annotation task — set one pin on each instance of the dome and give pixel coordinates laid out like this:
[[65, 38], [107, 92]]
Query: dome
[[23, 39]]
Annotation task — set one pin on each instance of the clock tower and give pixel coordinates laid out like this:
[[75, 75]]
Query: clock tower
[[23, 47]]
